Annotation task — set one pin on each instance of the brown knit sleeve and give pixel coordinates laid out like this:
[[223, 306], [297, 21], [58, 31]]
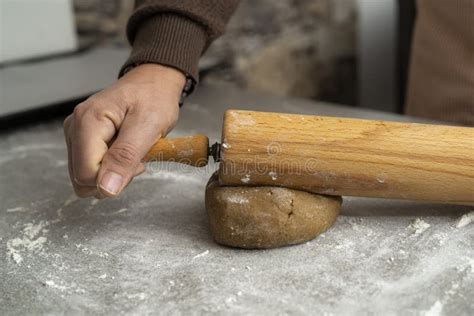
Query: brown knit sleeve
[[175, 32]]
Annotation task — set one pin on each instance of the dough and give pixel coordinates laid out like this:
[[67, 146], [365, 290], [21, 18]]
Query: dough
[[265, 216]]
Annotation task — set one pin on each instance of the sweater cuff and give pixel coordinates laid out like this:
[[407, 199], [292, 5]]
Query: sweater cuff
[[170, 40]]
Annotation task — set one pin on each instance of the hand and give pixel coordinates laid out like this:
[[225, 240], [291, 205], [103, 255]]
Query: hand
[[108, 135]]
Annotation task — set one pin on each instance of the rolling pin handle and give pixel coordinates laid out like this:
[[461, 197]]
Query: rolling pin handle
[[189, 150]]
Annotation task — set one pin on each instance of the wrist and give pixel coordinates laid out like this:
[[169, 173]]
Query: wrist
[[157, 73]]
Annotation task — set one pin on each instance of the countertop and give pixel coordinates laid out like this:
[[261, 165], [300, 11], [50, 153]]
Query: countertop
[[150, 250]]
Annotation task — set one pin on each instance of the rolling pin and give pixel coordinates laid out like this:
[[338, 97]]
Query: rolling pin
[[335, 156]]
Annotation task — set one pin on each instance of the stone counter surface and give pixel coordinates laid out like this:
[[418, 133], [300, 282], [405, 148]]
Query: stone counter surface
[[150, 250]]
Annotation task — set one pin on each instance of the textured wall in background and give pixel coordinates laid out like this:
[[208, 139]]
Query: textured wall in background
[[102, 21], [303, 48]]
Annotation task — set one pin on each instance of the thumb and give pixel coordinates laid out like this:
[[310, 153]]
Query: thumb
[[120, 163]]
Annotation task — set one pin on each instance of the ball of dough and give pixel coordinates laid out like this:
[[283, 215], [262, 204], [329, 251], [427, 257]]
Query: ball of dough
[[265, 216]]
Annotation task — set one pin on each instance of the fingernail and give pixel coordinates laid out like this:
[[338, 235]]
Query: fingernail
[[111, 182]]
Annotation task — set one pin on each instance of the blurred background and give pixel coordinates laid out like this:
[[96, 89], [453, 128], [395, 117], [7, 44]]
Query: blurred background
[[352, 52]]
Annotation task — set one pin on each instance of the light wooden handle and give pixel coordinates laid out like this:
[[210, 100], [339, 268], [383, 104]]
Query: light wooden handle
[[350, 157], [190, 150]]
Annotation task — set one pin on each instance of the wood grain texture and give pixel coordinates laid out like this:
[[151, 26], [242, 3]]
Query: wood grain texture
[[338, 156], [190, 150]]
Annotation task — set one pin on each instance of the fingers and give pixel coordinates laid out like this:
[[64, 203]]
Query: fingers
[[79, 190], [138, 132], [92, 131], [108, 135]]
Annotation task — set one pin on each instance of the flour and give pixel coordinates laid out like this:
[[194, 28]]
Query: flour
[[465, 220], [273, 175], [237, 199], [169, 175], [243, 119], [205, 253], [245, 179], [16, 209], [53, 285], [435, 310], [92, 252], [29, 242], [20, 152], [230, 300], [122, 210], [35, 147], [139, 296], [72, 198], [59, 212], [419, 226], [185, 153]]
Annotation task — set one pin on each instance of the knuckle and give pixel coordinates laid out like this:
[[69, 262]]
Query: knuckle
[[84, 108], [79, 110], [103, 115], [124, 154]]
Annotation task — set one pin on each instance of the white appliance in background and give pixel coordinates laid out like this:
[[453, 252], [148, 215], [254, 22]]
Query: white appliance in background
[[36, 28], [377, 53], [30, 29]]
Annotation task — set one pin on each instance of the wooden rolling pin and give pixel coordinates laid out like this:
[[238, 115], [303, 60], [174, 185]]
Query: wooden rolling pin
[[336, 156]]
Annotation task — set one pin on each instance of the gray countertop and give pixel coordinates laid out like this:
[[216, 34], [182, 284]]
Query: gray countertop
[[150, 250]]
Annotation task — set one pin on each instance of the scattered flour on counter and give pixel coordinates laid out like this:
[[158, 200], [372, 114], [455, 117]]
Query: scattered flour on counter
[[205, 253], [35, 147], [59, 212], [92, 252], [53, 285], [230, 300], [419, 226], [29, 242], [72, 198], [139, 296], [122, 210], [16, 209], [465, 220], [64, 287], [435, 310]]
